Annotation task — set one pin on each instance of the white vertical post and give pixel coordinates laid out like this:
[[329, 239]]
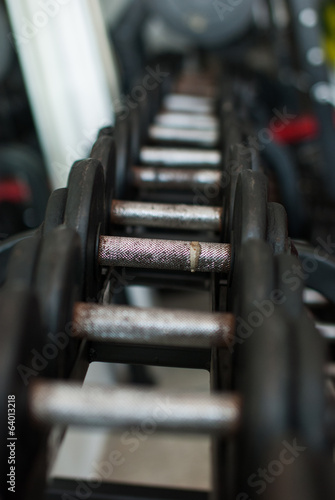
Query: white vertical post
[[70, 75]]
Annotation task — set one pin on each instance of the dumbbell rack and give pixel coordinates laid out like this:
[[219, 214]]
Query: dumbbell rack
[[266, 362]]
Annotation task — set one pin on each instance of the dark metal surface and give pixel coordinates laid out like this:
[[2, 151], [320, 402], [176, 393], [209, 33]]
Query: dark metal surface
[[104, 150], [55, 211], [57, 284], [264, 380], [85, 213], [250, 212], [277, 233]]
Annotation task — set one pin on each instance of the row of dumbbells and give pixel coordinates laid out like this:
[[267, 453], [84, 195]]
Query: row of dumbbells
[[266, 361]]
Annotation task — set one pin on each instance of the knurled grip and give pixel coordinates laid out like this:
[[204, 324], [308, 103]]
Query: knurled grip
[[164, 254]]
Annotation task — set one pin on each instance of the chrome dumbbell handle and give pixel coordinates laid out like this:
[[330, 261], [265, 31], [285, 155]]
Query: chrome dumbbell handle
[[153, 326], [68, 403], [166, 215], [172, 255]]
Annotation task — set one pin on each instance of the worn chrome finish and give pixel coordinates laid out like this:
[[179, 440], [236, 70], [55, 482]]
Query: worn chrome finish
[[187, 120], [200, 138], [68, 403], [173, 216], [164, 254], [180, 157], [153, 326], [175, 178], [188, 103]]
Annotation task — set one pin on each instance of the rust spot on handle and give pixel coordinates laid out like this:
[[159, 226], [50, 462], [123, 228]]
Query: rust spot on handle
[[195, 251]]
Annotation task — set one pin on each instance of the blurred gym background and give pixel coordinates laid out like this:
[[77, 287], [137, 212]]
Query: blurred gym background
[[65, 68]]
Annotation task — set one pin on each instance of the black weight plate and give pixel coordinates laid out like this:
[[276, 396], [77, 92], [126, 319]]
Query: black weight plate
[[235, 161], [308, 476], [277, 231], [252, 298], [254, 281], [250, 216], [309, 390], [58, 277], [154, 102], [104, 150], [135, 135], [289, 278], [22, 264], [264, 383], [171, 63], [250, 209], [54, 215], [85, 214], [144, 120], [20, 333], [123, 156], [139, 121]]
